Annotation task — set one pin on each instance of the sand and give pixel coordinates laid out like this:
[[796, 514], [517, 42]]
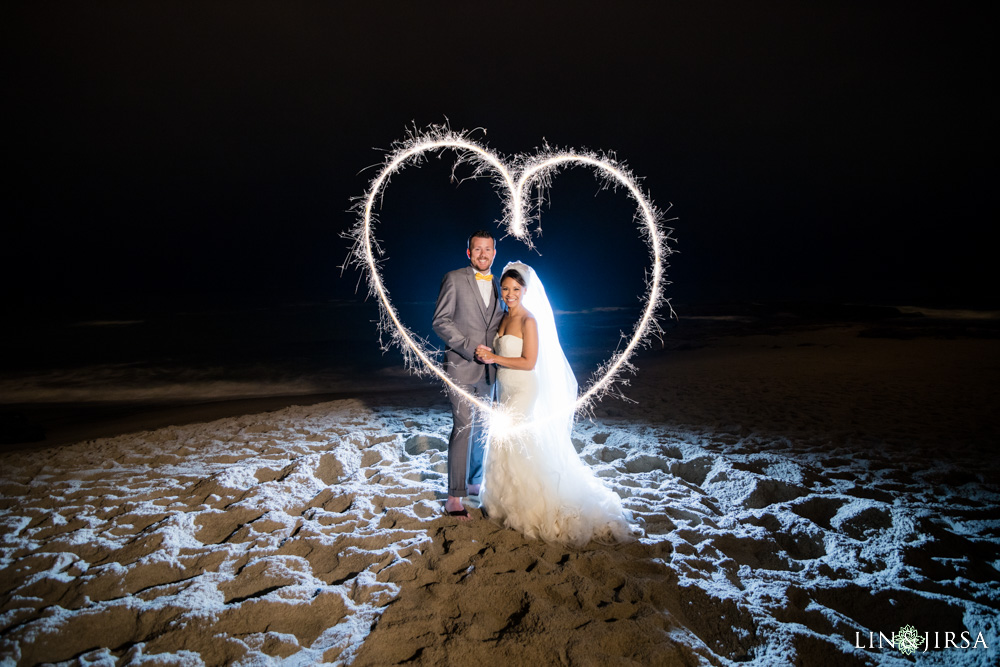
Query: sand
[[800, 493]]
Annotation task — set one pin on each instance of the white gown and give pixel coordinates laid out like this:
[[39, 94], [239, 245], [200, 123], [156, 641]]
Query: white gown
[[535, 482]]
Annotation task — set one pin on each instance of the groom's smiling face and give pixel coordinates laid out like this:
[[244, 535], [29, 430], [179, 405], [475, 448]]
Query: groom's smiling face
[[481, 253]]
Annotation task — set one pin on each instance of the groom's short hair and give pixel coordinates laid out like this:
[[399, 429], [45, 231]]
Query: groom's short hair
[[481, 234]]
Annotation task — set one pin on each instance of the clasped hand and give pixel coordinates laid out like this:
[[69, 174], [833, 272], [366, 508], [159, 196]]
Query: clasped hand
[[485, 354]]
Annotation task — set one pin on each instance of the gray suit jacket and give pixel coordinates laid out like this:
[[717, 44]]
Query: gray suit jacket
[[463, 322]]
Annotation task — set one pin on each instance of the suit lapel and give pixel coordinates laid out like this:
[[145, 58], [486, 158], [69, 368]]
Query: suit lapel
[[499, 307]]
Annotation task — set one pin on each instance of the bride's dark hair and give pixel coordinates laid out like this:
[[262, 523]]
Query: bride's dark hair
[[515, 274]]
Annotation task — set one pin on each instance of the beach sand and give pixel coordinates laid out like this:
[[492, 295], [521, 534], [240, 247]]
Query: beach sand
[[800, 492]]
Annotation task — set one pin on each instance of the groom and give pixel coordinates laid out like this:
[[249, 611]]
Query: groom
[[468, 312]]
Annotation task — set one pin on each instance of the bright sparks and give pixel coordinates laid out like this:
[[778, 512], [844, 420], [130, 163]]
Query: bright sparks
[[515, 179]]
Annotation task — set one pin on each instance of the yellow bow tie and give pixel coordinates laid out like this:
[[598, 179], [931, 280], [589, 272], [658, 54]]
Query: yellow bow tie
[[484, 276]]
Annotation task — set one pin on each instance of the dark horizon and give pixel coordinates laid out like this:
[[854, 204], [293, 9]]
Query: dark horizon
[[209, 154]]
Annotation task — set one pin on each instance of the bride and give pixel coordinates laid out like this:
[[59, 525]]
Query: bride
[[534, 481]]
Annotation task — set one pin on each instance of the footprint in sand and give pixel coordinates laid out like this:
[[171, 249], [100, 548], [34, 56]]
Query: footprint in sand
[[420, 443]]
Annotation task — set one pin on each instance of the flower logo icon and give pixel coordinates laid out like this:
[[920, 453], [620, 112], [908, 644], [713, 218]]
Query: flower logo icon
[[908, 640]]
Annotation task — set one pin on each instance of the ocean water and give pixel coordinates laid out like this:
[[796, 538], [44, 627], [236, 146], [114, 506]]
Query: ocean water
[[209, 354], [191, 355]]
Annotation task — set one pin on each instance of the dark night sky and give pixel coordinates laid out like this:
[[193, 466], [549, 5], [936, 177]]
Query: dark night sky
[[209, 151]]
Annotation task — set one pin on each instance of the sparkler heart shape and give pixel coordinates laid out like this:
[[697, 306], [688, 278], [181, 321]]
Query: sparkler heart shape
[[515, 180]]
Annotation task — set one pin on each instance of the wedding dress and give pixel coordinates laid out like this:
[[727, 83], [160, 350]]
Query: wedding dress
[[534, 480]]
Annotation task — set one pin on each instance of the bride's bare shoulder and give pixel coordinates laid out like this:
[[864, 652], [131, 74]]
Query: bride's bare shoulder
[[529, 323]]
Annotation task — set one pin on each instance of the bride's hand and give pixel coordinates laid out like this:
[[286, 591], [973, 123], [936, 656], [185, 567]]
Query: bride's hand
[[484, 354]]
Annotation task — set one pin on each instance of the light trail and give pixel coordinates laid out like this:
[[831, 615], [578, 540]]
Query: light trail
[[532, 172]]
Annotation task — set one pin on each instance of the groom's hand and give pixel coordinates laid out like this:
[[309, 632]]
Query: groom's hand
[[484, 354]]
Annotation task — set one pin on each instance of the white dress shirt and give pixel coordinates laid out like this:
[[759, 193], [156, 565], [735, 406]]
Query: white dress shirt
[[486, 289]]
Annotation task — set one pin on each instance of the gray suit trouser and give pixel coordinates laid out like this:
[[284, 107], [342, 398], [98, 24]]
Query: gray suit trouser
[[467, 444]]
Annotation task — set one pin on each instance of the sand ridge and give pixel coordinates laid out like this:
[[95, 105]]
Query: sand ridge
[[315, 534]]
